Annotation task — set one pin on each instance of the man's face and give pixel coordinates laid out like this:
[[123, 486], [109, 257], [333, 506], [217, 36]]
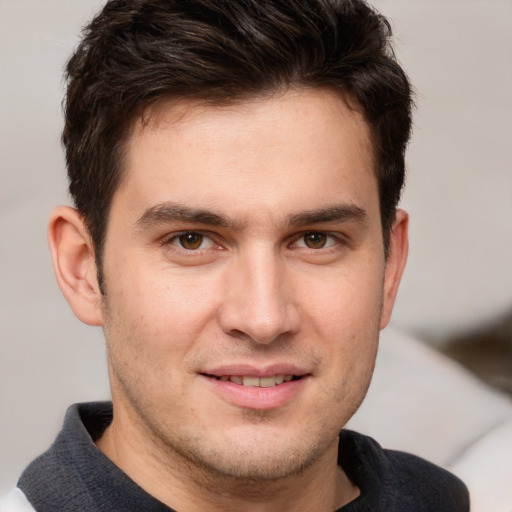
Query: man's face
[[244, 249]]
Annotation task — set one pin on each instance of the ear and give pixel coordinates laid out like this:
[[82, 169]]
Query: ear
[[74, 264], [395, 263]]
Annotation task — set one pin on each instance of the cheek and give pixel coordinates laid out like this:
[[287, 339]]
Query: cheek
[[347, 302], [153, 329], [166, 312], [344, 315], [148, 335]]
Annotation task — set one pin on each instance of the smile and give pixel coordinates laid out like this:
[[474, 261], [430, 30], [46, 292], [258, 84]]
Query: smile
[[261, 382], [263, 389]]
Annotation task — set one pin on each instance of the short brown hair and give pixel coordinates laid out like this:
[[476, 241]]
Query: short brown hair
[[137, 52]]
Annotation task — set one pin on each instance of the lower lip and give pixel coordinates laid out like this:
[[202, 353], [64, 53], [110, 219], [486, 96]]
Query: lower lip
[[253, 397]]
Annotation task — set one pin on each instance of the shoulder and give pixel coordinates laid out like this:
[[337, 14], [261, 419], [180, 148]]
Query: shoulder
[[400, 480], [56, 480], [15, 501], [435, 485]]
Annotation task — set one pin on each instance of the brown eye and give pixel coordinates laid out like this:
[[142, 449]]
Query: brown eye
[[315, 240], [190, 241]]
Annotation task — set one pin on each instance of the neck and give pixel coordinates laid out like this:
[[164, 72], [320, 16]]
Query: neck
[[182, 485]]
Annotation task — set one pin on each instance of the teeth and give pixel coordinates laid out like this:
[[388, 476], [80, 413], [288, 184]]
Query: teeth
[[267, 382], [262, 382], [251, 381]]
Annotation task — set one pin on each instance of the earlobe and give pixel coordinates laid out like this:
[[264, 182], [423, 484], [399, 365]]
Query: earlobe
[[74, 264], [395, 264]]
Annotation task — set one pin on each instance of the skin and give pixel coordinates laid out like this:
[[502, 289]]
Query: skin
[[284, 266]]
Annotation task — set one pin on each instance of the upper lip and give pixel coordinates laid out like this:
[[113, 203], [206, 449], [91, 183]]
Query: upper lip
[[255, 371]]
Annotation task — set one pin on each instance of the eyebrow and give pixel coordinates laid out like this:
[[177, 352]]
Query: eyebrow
[[334, 213], [168, 212], [165, 213]]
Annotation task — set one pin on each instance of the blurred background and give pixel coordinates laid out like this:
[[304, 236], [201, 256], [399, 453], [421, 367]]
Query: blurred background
[[456, 295]]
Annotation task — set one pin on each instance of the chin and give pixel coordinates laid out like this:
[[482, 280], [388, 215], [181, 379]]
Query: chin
[[257, 468], [256, 457]]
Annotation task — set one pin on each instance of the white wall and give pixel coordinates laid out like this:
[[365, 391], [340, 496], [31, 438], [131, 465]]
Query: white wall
[[459, 194]]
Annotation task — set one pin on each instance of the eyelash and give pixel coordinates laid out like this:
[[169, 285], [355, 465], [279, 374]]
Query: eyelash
[[336, 239], [176, 236]]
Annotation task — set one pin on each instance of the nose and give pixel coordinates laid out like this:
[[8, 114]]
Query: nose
[[258, 303]]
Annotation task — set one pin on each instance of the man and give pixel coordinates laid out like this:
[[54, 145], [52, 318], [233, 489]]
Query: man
[[235, 168]]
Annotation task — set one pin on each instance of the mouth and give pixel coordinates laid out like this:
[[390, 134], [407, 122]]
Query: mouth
[[256, 382], [248, 387]]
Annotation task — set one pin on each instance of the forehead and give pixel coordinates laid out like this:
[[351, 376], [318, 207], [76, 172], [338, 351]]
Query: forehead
[[266, 153]]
